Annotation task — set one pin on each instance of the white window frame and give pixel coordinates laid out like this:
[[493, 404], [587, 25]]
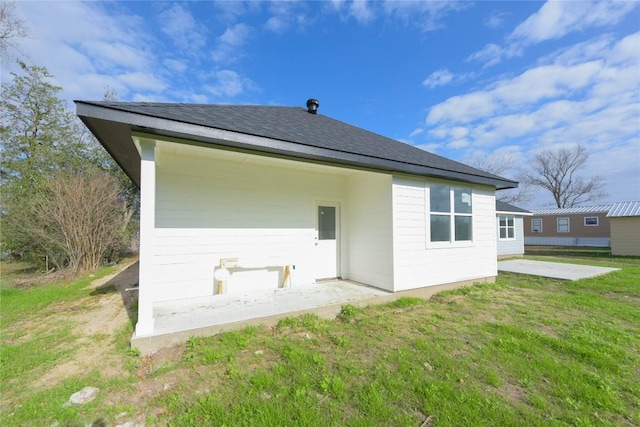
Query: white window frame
[[597, 224], [452, 242], [533, 220], [507, 227], [568, 225]]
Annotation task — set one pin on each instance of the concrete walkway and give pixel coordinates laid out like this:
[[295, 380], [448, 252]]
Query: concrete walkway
[[555, 270]]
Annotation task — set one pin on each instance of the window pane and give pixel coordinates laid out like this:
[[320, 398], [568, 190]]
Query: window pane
[[326, 222], [439, 198], [536, 225], [503, 221], [462, 200], [440, 228], [503, 233], [591, 220], [563, 225], [510, 221], [511, 233], [463, 228]]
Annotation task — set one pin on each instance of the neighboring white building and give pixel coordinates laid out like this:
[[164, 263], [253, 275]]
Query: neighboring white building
[[510, 229], [271, 192]]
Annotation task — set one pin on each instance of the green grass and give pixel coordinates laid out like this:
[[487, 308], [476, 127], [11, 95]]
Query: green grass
[[523, 351], [16, 303]]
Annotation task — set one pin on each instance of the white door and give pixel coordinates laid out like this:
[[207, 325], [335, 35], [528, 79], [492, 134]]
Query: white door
[[327, 233]]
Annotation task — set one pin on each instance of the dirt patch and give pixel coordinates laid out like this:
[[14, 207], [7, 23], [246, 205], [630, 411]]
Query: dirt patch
[[512, 393], [96, 319]]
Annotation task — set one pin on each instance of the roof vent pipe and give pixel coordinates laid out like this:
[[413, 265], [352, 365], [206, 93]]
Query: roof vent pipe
[[312, 105]]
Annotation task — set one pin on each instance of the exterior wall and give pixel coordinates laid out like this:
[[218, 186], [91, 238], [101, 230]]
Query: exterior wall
[[212, 205], [514, 246], [578, 235], [370, 233], [625, 236], [417, 262], [600, 242]]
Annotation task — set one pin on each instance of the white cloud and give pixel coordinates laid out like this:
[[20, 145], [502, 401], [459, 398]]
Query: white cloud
[[199, 98], [112, 55], [416, 132], [287, 15], [431, 147], [229, 83], [491, 54], [178, 23], [142, 81], [236, 35], [88, 47], [463, 108], [426, 15], [276, 24], [554, 20], [438, 78], [625, 51], [588, 93], [495, 20], [457, 144], [361, 11], [230, 43], [546, 82], [175, 65]]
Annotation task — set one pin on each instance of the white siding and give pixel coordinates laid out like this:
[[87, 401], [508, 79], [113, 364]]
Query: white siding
[[514, 246], [212, 205], [370, 236], [417, 263]]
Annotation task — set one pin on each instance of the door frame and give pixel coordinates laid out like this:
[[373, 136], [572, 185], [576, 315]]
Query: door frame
[[336, 204]]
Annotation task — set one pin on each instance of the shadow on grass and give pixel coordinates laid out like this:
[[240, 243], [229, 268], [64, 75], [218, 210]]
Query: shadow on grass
[[126, 284]]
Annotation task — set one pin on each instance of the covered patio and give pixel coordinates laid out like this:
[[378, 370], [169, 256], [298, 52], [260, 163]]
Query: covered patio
[[177, 321]]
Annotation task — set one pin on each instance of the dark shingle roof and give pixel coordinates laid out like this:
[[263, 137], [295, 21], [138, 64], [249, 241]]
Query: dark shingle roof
[[506, 207], [305, 136]]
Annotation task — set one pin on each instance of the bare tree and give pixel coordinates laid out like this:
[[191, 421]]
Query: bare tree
[[80, 217], [501, 166], [11, 27], [556, 171]]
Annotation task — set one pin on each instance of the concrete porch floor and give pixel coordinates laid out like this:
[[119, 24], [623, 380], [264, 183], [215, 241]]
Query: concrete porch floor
[[177, 321]]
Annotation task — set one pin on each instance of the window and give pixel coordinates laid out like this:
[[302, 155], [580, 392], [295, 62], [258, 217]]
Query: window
[[536, 225], [563, 225], [591, 221], [506, 227], [450, 214]]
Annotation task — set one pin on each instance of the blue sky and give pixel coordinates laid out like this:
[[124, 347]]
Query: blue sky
[[465, 80]]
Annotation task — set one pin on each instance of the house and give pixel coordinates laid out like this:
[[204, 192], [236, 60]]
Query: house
[[510, 229], [578, 226], [624, 220], [239, 198]]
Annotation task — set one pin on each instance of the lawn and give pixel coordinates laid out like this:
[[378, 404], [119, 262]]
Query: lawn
[[523, 351]]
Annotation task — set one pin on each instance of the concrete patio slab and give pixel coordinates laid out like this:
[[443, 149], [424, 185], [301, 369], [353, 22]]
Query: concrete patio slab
[[223, 309], [176, 321], [554, 270]]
